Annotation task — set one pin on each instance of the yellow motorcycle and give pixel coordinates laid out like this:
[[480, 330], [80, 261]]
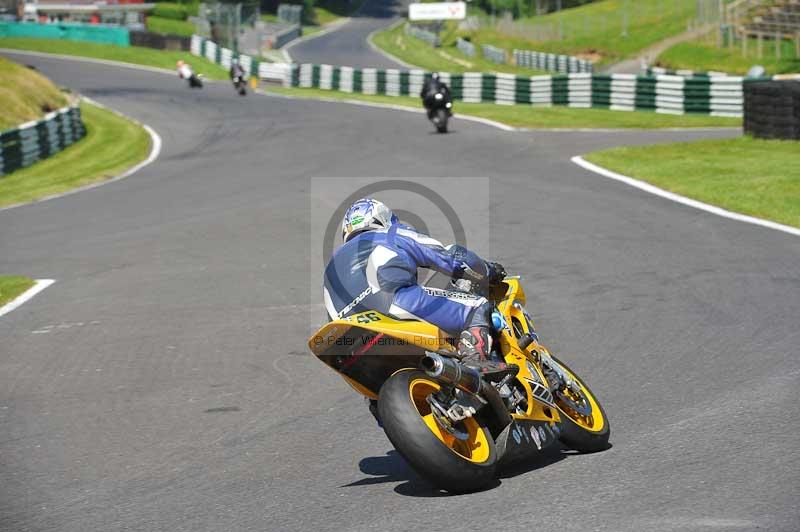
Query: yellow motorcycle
[[452, 424]]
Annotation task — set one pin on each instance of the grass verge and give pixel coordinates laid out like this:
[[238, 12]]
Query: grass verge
[[112, 144], [25, 95], [605, 32], [536, 117], [746, 175], [171, 26], [701, 56], [12, 286], [126, 54], [446, 58]]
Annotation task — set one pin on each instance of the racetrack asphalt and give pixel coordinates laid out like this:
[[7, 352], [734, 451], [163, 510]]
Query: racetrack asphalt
[[346, 46], [163, 381]]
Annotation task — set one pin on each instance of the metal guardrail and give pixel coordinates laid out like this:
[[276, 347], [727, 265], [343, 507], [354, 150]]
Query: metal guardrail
[[425, 35], [292, 13], [466, 47], [494, 54], [33, 141], [564, 64]]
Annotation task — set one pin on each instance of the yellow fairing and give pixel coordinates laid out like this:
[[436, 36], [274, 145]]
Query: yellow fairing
[[367, 348], [414, 333]]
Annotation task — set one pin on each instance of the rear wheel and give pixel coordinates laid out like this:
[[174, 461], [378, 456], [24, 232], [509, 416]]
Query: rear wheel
[[585, 426], [458, 464]]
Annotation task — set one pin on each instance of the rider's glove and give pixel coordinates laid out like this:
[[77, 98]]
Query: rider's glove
[[495, 273]]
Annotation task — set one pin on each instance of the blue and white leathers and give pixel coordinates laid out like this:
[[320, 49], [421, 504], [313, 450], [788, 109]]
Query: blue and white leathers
[[377, 270]]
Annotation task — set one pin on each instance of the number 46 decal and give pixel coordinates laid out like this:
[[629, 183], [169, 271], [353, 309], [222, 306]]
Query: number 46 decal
[[368, 317]]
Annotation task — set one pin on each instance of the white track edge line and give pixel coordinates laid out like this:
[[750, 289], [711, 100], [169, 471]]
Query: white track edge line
[[647, 187], [384, 53], [155, 150], [84, 59], [395, 107], [26, 296]]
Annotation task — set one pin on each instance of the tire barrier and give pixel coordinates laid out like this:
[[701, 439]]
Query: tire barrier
[[33, 141], [772, 109], [659, 71], [620, 92], [717, 96], [565, 64], [202, 47]]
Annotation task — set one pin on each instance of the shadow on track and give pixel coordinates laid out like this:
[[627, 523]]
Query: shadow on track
[[392, 468]]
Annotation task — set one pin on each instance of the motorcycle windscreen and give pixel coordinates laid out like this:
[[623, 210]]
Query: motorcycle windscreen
[[364, 355]]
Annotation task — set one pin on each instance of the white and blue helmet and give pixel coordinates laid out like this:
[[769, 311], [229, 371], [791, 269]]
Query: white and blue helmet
[[366, 214]]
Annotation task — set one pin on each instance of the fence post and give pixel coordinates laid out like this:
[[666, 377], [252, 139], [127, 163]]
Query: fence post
[[778, 43], [760, 45]]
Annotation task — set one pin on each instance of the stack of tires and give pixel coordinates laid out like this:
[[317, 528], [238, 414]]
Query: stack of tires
[[772, 109]]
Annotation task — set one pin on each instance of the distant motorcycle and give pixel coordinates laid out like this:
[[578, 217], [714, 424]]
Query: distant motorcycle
[[195, 81], [440, 108], [185, 72], [240, 84]]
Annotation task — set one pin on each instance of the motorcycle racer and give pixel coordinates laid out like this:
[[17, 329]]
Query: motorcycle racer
[[184, 70], [376, 269], [236, 70]]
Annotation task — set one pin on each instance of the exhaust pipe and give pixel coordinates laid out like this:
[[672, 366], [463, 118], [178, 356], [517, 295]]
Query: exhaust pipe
[[448, 371]]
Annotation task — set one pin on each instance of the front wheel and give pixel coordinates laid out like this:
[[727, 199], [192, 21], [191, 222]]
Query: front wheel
[[456, 464], [584, 424], [441, 121]]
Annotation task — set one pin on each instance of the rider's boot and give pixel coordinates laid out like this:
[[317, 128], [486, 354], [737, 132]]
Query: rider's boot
[[475, 348]]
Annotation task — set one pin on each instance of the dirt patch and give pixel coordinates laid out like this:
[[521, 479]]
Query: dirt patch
[[590, 55]]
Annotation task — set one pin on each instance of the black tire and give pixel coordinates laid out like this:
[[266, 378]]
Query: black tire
[[579, 438], [421, 448], [441, 122]]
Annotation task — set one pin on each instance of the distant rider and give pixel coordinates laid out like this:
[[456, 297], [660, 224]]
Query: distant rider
[[432, 86], [376, 269], [184, 70], [236, 70]]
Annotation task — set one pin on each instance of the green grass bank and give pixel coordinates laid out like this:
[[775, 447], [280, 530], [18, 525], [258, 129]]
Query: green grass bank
[[11, 286], [112, 145], [745, 175]]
